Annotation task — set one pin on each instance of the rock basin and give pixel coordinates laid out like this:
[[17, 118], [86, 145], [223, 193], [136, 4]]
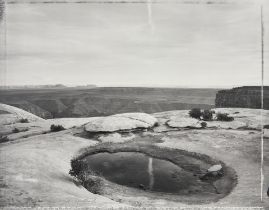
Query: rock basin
[[134, 169], [141, 169]]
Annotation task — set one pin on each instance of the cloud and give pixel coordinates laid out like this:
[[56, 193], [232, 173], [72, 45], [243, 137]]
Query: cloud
[[202, 45]]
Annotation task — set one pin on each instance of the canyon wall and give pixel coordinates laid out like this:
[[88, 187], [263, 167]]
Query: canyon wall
[[106, 101], [245, 97]]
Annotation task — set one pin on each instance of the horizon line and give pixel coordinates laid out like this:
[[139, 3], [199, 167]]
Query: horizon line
[[37, 86]]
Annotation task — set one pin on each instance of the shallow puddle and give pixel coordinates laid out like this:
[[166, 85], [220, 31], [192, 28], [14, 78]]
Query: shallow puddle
[[134, 169]]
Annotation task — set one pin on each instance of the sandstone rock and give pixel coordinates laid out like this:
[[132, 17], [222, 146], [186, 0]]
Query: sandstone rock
[[115, 138], [70, 122], [120, 122], [226, 125], [59, 148], [213, 173], [19, 113], [215, 168], [140, 117], [182, 122]]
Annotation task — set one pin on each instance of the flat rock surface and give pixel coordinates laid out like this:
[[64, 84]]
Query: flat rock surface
[[183, 122], [119, 122], [243, 118], [9, 122], [34, 168]]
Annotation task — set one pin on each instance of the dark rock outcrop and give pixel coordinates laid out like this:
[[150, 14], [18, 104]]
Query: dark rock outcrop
[[244, 97]]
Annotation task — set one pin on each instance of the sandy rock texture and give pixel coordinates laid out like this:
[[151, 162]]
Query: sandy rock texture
[[121, 122], [34, 164], [18, 113], [243, 119]]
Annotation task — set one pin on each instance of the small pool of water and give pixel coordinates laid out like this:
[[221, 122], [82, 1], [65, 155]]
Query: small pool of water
[[134, 169]]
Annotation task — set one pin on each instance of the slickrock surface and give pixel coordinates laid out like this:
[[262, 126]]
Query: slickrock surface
[[121, 122], [34, 165]]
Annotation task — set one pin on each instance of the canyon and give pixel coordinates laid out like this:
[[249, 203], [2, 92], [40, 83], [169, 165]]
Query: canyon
[[104, 101]]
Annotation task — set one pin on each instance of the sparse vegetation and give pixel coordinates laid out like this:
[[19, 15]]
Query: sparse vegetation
[[4, 139], [199, 114], [56, 128], [207, 115], [15, 130], [24, 120], [224, 117], [76, 167], [85, 177], [195, 113], [203, 124], [93, 184], [266, 126]]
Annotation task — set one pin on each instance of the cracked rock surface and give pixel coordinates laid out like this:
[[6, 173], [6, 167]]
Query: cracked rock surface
[[119, 122]]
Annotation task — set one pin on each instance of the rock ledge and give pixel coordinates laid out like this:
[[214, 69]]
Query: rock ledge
[[119, 122]]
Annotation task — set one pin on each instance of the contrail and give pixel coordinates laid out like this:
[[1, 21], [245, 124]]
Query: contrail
[[151, 176], [150, 22]]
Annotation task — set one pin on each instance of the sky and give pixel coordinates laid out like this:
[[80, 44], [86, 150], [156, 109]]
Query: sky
[[139, 44]]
